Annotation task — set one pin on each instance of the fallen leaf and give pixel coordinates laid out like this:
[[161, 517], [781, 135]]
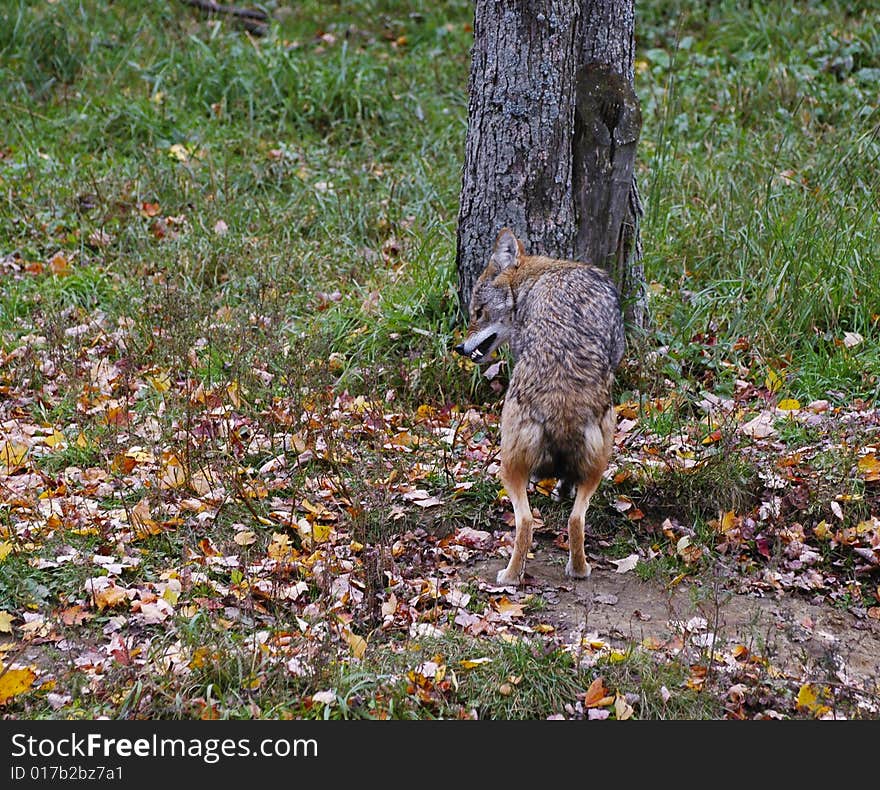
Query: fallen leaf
[[507, 608], [714, 436], [59, 265], [75, 615], [852, 339], [14, 682], [773, 382], [325, 697], [6, 622], [470, 663], [869, 466], [622, 709], [597, 695], [357, 644], [110, 597], [808, 699], [609, 599], [760, 427], [12, 454], [627, 563]]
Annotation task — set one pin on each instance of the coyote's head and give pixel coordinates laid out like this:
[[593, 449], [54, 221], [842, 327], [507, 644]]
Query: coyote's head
[[492, 301]]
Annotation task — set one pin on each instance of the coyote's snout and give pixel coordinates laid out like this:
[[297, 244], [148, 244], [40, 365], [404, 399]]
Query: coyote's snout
[[563, 324]]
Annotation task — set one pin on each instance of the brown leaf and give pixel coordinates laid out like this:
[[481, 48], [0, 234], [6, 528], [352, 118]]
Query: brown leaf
[[75, 615], [110, 597], [507, 608], [597, 695]]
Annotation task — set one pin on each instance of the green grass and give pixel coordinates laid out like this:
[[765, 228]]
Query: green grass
[[317, 153]]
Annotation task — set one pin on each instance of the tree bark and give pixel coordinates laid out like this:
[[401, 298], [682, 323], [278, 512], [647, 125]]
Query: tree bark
[[608, 121], [520, 111], [553, 124]]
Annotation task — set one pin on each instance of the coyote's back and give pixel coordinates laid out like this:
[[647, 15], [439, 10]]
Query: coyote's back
[[563, 323]]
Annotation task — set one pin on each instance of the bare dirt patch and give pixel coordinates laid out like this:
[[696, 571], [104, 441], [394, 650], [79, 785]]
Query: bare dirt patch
[[806, 640]]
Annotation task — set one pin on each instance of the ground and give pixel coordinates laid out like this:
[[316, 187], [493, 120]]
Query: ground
[[803, 639], [242, 475]]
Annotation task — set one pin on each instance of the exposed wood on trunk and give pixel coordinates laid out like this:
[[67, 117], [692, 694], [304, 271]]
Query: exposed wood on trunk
[[608, 120], [607, 45]]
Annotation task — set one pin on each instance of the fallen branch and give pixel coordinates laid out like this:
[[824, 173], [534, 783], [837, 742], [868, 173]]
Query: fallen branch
[[251, 19]]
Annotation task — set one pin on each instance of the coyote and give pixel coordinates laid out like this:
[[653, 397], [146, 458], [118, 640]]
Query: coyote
[[563, 322]]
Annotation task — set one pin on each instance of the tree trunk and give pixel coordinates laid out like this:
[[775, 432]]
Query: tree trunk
[[608, 121], [520, 115], [550, 146]]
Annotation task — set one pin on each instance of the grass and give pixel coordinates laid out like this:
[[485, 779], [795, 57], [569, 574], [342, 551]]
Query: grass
[[260, 221]]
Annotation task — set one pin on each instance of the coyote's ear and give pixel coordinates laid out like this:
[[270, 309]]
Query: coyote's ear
[[508, 249]]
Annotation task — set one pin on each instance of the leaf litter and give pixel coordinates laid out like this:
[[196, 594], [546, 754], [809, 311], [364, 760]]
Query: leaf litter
[[86, 501]]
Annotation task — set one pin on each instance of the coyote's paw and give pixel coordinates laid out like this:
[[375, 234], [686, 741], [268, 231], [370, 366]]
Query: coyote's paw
[[507, 576], [580, 572]]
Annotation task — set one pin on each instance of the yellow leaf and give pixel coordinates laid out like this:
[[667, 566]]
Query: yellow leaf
[[15, 681], [54, 439], [470, 663], [357, 644], [280, 548], [313, 533], [789, 404], [806, 696], [320, 532], [160, 381], [5, 622], [773, 382], [869, 466], [5, 549], [171, 595], [808, 699], [12, 454], [425, 412], [141, 519], [728, 521], [319, 510]]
